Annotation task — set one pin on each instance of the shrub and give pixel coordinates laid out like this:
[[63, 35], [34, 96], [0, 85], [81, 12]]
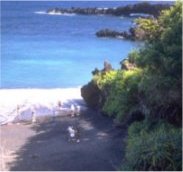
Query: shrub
[[96, 91], [153, 147], [123, 95]]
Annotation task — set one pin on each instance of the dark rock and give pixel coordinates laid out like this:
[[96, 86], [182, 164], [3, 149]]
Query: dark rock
[[91, 94], [108, 33], [115, 34], [107, 66], [96, 71]]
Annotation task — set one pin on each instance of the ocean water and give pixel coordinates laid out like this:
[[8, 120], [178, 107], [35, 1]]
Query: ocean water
[[57, 51]]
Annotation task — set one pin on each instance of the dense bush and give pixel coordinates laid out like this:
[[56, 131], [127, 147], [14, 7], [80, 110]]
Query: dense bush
[[153, 147], [161, 60], [146, 29], [150, 79], [123, 95], [158, 145], [150, 84], [115, 92]]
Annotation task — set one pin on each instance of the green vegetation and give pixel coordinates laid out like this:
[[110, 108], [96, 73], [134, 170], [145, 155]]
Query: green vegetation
[[121, 90], [146, 29], [148, 89], [156, 147]]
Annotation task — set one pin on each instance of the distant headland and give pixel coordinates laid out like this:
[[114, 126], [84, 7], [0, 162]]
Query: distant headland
[[141, 9]]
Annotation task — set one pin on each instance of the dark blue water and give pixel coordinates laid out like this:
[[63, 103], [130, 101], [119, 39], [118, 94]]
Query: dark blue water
[[49, 51]]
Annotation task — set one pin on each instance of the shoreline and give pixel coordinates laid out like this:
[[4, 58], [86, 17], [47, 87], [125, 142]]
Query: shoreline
[[20, 104], [140, 7]]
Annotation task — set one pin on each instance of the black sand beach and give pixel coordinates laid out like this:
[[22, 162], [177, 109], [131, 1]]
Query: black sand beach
[[45, 146]]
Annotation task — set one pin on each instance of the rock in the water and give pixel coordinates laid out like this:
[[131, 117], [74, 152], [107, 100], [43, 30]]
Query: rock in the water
[[115, 34], [108, 33]]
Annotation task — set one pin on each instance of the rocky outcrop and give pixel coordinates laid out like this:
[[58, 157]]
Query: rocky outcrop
[[129, 10], [115, 34], [109, 33], [91, 94]]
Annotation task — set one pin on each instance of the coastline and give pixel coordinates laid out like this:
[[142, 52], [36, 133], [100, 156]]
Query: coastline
[[43, 102]]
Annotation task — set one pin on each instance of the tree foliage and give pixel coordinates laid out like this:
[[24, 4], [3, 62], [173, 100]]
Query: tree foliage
[[150, 82]]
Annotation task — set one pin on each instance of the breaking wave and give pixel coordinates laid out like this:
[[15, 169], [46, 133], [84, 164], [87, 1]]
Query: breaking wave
[[19, 104], [54, 13]]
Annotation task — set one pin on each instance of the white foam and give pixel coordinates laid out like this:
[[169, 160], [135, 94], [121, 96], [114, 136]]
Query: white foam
[[140, 15], [105, 8], [21, 103], [54, 13], [40, 12], [60, 14], [120, 37]]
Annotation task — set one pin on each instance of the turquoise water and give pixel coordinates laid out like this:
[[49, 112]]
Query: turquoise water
[[51, 51]]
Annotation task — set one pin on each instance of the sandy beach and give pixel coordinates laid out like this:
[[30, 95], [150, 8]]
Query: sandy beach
[[19, 104], [44, 144]]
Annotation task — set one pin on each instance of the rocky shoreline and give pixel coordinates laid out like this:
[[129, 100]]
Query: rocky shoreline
[[130, 35], [141, 9]]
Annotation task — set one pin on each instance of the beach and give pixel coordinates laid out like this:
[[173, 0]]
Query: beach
[[19, 104], [43, 66], [45, 145], [91, 86]]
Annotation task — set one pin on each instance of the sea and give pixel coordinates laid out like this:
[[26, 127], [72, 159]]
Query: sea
[[58, 51]]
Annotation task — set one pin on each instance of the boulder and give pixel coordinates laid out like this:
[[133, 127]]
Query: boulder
[[91, 94], [108, 33], [130, 35]]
